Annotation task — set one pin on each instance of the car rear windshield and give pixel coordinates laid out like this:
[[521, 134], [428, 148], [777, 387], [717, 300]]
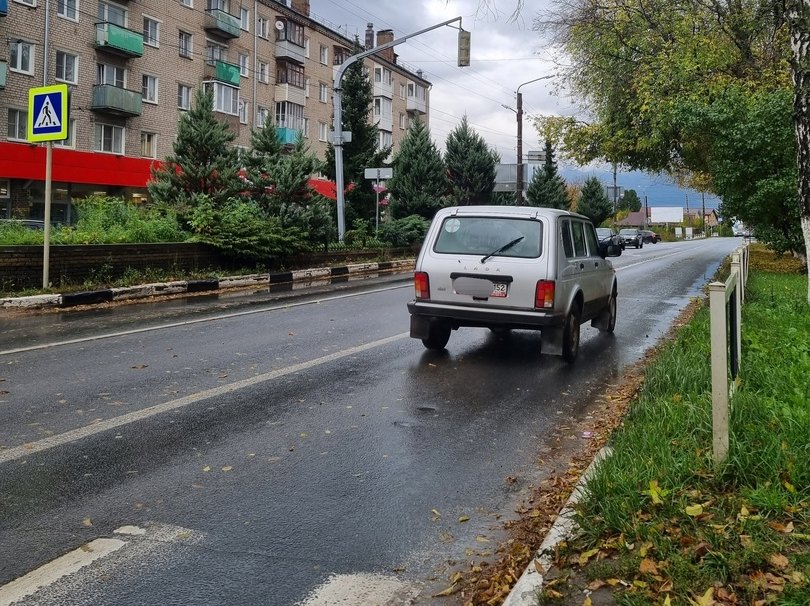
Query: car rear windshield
[[628, 232], [485, 235]]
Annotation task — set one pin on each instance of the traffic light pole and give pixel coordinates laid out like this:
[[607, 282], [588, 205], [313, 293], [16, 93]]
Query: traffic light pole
[[338, 136]]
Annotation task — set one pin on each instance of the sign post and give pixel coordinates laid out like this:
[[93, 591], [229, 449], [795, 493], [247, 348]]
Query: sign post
[[377, 174], [47, 121]]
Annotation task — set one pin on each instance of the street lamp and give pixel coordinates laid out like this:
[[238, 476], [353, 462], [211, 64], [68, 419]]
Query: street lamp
[[519, 180]]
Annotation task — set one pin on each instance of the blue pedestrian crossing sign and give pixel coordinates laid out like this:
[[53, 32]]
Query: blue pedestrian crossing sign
[[48, 113]]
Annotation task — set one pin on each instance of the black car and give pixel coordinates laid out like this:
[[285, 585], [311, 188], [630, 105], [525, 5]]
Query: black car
[[608, 235], [29, 223], [632, 237]]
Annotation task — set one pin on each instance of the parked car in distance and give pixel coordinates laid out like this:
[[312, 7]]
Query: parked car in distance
[[632, 237], [650, 237], [30, 223], [513, 267], [607, 234]]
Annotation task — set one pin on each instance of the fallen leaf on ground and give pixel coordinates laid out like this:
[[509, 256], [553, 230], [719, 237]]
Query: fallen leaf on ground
[[464, 519], [448, 591], [87, 522], [227, 468]]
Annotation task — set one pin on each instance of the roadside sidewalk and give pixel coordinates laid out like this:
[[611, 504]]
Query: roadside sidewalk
[[143, 291]]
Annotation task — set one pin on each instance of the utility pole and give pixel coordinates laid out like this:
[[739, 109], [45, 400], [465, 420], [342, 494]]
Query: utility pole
[[519, 177], [615, 190], [703, 210], [338, 136]]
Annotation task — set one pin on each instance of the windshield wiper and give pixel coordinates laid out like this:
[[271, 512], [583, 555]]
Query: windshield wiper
[[503, 248]]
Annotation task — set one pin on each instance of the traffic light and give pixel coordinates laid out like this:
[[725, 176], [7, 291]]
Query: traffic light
[[463, 48]]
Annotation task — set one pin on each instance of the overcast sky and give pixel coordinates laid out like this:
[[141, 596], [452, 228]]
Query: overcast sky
[[505, 53]]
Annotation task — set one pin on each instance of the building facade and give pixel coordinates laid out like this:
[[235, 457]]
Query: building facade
[[132, 69]]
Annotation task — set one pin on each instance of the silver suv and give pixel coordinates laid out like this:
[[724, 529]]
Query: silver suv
[[504, 267]]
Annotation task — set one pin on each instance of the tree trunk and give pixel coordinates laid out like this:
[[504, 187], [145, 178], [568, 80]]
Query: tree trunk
[[797, 13]]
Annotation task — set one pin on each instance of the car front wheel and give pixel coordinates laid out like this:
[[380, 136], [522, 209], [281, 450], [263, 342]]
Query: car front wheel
[[438, 336], [570, 345], [612, 310]]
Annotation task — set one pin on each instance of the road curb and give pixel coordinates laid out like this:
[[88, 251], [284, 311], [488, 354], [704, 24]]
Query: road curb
[[526, 590], [143, 291]]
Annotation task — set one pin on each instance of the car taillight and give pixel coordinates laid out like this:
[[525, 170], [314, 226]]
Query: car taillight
[[422, 285], [544, 294]]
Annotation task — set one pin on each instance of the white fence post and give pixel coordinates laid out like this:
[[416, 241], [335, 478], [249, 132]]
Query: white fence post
[[717, 314]]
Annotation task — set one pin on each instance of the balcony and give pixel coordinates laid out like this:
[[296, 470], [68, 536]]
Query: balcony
[[223, 72], [3, 74], [287, 136], [117, 101], [290, 51], [385, 121], [415, 105], [221, 23], [119, 40], [383, 89], [293, 94]]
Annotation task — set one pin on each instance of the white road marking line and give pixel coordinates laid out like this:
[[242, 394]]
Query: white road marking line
[[20, 452], [649, 260], [60, 567], [135, 331], [366, 589]]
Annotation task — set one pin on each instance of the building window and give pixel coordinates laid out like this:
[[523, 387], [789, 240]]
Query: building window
[[188, 3], [111, 74], [151, 31], [109, 138], [401, 91], [17, 124], [244, 18], [323, 131], [261, 27], [220, 5], [226, 98], [305, 129], [385, 140], [244, 108], [21, 57], [323, 55], [215, 52], [262, 114], [148, 145], [27, 2], [150, 89], [264, 72], [112, 13], [67, 9], [290, 73], [403, 124], [291, 32], [67, 67], [244, 65], [306, 88], [323, 93], [70, 141], [185, 43], [183, 96], [306, 46], [382, 75]]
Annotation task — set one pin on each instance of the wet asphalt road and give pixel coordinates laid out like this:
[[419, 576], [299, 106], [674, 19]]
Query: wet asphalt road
[[265, 445]]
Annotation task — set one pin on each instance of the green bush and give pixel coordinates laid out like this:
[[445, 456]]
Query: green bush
[[404, 232]]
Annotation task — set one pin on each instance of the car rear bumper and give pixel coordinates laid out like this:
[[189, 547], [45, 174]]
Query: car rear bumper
[[463, 315]]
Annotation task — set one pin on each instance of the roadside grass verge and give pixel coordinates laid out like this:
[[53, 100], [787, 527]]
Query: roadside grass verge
[[660, 525]]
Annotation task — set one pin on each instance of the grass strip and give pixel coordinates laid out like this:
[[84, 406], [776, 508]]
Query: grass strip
[[659, 524]]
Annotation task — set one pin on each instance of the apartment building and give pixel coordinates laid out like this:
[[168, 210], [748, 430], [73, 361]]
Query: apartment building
[[132, 69]]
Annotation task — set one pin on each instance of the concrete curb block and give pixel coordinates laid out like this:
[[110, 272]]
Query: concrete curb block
[[142, 291], [526, 590]]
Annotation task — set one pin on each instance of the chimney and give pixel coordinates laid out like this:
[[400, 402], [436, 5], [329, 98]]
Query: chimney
[[369, 36], [301, 6], [383, 37]]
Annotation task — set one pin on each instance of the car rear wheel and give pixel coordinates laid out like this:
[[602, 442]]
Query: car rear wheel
[[438, 336], [570, 345]]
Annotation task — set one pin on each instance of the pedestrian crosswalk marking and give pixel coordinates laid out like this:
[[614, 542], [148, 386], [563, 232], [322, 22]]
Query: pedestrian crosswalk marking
[[47, 118]]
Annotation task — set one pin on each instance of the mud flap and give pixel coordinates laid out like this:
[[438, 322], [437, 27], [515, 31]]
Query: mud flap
[[602, 320], [551, 339], [420, 327]]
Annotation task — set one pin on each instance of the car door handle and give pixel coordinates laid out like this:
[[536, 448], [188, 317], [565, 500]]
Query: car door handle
[[582, 266]]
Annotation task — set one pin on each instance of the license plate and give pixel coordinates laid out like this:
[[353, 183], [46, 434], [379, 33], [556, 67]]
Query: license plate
[[499, 289]]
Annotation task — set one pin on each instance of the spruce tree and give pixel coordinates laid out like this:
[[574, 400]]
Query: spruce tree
[[593, 201], [419, 183], [203, 162], [291, 192], [630, 201], [547, 187], [470, 166], [265, 154], [357, 97]]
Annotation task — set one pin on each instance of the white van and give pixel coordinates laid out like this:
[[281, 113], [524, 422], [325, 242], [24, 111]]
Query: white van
[[513, 267]]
